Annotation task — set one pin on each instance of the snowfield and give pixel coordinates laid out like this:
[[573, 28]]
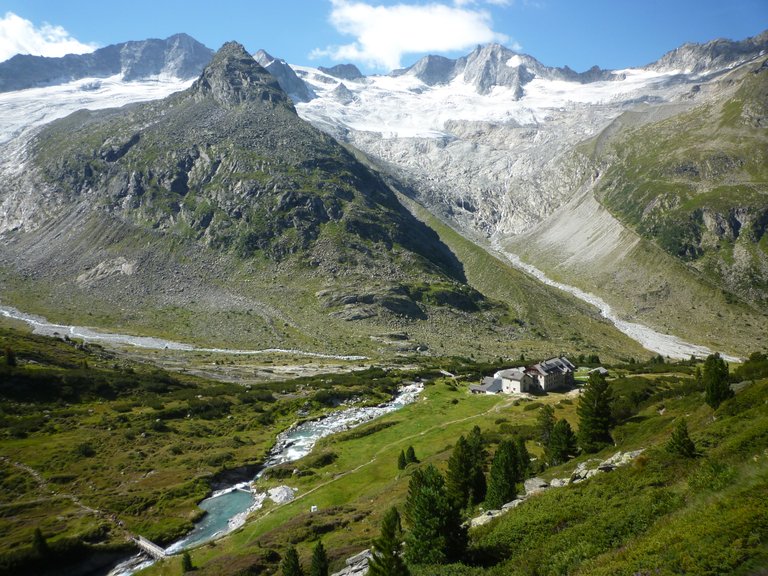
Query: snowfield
[[22, 110], [405, 107]]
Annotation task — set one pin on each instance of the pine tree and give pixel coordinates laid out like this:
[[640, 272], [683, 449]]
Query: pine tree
[[401, 463], [524, 457], [459, 471], [680, 443], [594, 412], [545, 420], [291, 565], [715, 377], [10, 356], [436, 535], [319, 566], [505, 473], [386, 559], [562, 444], [186, 562], [465, 478], [410, 456], [478, 454], [39, 544]]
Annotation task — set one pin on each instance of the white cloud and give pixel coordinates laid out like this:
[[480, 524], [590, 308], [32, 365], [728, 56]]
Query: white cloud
[[20, 36], [383, 34], [493, 2]]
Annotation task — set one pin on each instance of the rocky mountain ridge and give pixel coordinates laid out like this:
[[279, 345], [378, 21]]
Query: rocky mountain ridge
[[285, 76], [178, 56], [495, 65], [227, 171], [692, 58], [513, 156], [498, 151]]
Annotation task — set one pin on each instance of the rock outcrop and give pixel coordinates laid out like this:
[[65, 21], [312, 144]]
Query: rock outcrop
[[583, 471]]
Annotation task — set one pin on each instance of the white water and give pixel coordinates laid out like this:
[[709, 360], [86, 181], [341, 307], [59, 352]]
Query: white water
[[664, 344], [42, 326]]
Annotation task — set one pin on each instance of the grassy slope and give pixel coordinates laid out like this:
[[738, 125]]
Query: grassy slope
[[670, 181], [86, 435], [558, 321], [704, 516], [611, 524]]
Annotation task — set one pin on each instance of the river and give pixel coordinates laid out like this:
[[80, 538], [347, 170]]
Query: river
[[42, 326], [664, 344], [228, 509]]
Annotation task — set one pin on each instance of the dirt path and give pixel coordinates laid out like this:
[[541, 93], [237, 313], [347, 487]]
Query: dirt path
[[46, 488], [495, 408]]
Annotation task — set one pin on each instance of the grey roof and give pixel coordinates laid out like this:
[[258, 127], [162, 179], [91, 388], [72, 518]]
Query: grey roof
[[489, 385], [511, 374], [554, 365]]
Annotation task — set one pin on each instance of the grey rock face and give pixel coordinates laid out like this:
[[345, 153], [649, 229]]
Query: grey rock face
[[180, 55], [717, 54], [535, 485], [285, 76], [343, 94], [433, 70], [343, 71], [235, 77], [487, 67]]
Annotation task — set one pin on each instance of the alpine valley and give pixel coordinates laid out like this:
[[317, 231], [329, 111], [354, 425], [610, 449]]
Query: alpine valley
[[276, 240]]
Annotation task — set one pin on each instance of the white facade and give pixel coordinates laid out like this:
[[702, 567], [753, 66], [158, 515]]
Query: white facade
[[514, 380]]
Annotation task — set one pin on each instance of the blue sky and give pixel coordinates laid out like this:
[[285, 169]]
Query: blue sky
[[378, 35]]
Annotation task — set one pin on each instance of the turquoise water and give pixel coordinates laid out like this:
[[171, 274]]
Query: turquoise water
[[219, 511]]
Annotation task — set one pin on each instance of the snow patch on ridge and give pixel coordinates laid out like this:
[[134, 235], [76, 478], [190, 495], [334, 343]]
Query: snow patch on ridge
[[22, 110]]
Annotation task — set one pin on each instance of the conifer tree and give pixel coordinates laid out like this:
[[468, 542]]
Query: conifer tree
[[319, 566], [401, 463], [478, 454], [505, 473], [386, 559], [465, 478], [39, 543], [291, 565], [410, 456], [186, 562], [594, 412], [680, 443], [436, 534], [562, 444], [545, 420], [715, 377], [10, 356], [524, 458], [459, 472]]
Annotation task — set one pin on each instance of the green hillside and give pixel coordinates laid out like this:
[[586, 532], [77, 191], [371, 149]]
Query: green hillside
[[697, 184]]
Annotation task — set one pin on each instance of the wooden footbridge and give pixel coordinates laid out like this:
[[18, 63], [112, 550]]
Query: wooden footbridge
[[157, 552]]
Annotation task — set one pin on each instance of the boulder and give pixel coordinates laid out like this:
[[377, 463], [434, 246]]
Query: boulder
[[535, 485], [357, 565], [514, 504]]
